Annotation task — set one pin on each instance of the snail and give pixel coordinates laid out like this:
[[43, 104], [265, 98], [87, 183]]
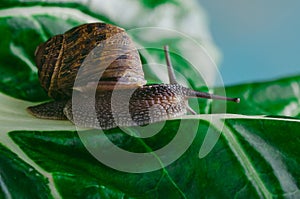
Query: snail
[[111, 53]]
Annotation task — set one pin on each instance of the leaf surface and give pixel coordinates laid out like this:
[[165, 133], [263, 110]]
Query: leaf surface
[[228, 155]]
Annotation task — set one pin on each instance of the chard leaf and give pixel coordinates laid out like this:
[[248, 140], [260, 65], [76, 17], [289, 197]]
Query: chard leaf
[[228, 156]]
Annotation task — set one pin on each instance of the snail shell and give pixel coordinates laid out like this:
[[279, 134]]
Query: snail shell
[[59, 59], [100, 48]]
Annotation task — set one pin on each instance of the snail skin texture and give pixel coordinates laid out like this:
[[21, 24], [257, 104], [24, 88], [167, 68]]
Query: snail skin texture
[[114, 56]]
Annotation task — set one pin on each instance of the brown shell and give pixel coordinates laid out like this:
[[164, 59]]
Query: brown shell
[[104, 54]]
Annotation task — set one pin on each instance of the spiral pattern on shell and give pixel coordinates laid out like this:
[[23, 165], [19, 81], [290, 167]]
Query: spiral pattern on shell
[[111, 52]]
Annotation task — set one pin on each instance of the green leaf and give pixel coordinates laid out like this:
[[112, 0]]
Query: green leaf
[[19, 179], [227, 156], [251, 157], [280, 97]]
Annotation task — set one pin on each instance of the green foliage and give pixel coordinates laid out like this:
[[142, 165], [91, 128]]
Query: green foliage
[[254, 157], [274, 98]]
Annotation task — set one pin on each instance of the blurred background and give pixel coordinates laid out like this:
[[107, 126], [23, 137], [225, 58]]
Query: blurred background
[[258, 40]]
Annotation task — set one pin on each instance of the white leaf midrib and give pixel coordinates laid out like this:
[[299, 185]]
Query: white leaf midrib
[[25, 121]]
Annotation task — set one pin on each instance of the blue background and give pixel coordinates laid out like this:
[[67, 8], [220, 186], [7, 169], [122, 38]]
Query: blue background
[[259, 40]]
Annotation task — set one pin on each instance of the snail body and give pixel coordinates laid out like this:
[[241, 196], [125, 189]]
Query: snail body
[[100, 48]]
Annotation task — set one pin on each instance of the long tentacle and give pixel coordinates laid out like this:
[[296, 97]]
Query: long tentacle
[[171, 72], [192, 93]]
